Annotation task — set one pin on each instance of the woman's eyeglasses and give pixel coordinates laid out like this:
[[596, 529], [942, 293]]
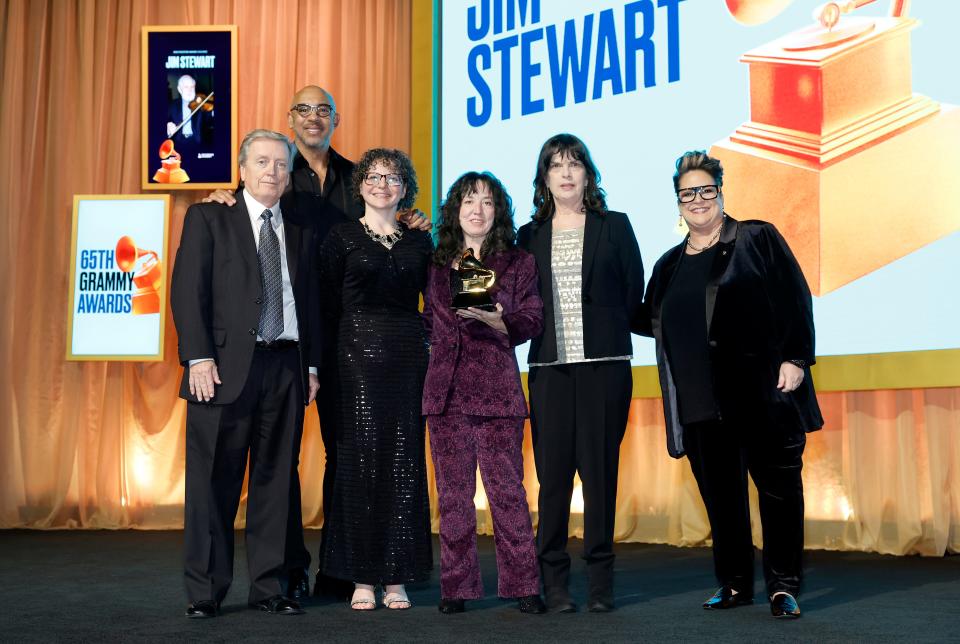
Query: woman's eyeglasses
[[374, 178], [689, 194]]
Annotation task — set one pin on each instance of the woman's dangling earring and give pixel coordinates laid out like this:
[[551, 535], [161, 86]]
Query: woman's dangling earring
[[681, 227]]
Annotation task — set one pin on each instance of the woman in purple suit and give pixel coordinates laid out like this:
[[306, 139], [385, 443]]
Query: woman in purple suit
[[472, 396]]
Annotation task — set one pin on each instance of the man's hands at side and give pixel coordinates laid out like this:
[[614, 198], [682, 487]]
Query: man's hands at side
[[203, 377]]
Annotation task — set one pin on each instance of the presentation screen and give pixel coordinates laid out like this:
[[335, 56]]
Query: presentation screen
[[843, 133]]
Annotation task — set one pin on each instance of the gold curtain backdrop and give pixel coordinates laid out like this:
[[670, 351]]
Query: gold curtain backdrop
[[100, 444]]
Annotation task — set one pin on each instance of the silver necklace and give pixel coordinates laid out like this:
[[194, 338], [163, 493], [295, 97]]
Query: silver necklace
[[713, 240], [387, 241]]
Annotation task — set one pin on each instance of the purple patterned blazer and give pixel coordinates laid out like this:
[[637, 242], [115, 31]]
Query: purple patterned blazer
[[473, 366]]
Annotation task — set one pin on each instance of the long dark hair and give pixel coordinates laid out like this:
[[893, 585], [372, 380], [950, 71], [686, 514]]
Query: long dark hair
[[502, 235], [566, 145]]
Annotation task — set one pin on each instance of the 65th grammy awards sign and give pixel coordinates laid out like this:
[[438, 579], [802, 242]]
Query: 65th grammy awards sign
[[118, 267]]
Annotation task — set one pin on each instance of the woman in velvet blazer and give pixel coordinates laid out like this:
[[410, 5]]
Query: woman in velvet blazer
[[472, 396], [477, 354], [733, 321]]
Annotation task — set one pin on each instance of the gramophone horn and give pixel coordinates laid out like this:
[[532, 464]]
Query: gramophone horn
[[755, 12], [166, 149], [128, 253], [468, 261]]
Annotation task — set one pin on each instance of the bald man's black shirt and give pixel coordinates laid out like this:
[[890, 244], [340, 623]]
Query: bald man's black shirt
[[328, 204]]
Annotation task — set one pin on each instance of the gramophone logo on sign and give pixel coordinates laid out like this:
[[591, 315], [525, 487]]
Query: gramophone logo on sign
[[118, 276]]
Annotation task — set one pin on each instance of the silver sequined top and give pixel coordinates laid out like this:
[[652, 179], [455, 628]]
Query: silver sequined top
[[566, 263]]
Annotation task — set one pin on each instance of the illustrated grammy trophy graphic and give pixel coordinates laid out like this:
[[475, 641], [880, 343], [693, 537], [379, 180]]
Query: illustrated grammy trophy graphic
[[839, 153], [147, 278], [170, 170]]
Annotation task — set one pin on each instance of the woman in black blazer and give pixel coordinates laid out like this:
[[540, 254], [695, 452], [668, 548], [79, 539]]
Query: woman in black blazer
[[733, 321], [591, 284]]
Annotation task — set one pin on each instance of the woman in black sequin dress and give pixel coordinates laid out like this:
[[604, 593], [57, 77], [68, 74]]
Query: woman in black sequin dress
[[372, 273]]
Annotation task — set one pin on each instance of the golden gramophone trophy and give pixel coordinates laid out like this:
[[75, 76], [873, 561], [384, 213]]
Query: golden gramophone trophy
[[839, 153], [475, 283], [147, 278]]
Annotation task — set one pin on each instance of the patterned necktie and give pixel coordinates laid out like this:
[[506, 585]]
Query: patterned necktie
[[271, 315]]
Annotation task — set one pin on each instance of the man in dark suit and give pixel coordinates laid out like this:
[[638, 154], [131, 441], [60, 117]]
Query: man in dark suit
[[245, 304]]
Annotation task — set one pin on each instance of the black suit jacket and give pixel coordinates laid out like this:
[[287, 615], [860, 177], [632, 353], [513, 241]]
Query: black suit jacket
[[216, 293], [759, 314], [612, 285]]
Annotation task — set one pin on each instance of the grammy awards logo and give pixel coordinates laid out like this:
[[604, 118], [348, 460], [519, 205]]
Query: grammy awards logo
[[107, 277]]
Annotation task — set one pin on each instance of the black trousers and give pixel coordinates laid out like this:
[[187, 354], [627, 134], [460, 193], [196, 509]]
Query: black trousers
[[265, 422], [721, 455], [298, 557], [326, 410], [578, 415]]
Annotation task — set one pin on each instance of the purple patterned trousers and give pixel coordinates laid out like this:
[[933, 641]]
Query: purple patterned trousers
[[458, 442]]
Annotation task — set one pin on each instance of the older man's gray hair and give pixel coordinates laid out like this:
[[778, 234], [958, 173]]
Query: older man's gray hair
[[253, 135]]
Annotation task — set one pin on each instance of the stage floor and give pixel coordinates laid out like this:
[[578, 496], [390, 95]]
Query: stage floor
[[97, 586]]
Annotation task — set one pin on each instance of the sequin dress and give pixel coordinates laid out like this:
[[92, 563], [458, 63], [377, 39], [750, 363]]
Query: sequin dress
[[379, 528]]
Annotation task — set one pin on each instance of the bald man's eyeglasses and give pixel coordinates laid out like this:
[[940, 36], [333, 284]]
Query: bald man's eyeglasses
[[305, 109]]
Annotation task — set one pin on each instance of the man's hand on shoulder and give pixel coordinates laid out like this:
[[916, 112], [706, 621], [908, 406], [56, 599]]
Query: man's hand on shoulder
[[203, 376], [415, 219], [220, 195]]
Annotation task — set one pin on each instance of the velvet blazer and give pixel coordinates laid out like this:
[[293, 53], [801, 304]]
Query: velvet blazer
[[759, 315], [470, 357], [612, 291]]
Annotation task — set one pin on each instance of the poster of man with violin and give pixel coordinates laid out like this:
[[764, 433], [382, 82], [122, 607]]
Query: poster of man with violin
[[189, 107]]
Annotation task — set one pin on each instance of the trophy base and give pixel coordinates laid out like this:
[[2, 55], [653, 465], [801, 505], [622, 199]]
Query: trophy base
[[177, 175], [480, 300], [145, 301], [862, 211]]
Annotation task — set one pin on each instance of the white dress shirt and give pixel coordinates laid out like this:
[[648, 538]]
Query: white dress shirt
[[187, 129], [255, 209]]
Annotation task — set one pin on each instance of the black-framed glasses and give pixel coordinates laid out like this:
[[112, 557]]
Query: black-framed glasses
[[305, 109], [689, 194], [374, 179]]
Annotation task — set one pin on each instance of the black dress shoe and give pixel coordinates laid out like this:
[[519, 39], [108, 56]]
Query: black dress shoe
[[298, 584], [531, 604], [451, 606], [278, 605], [202, 609], [598, 605], [727, 597], [783, 605], [560, 602]]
